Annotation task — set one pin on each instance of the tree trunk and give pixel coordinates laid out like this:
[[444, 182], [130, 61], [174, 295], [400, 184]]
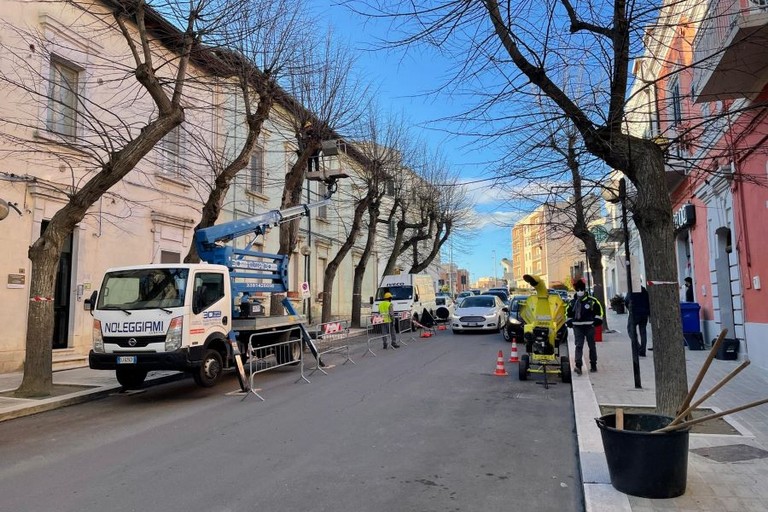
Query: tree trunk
[[357, 281], [333, 266], [294, 183], [38, 364], [653, 218]]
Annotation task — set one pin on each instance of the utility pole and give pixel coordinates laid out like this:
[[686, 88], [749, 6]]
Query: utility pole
[[628, 264], [450, 270]]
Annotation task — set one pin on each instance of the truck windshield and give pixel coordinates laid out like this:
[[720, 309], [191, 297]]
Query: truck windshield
[[145, 288], [398, 292]]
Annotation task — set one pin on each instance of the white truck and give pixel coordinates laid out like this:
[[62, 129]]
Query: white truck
[[184, 316], [411, 293]]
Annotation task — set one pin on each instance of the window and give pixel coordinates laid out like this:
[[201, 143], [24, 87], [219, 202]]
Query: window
[[257, 170], [322, 212], [170, 257], [392, 231], [391, 188], [209, 289], [676, 103], [171, 147], [62, 101]]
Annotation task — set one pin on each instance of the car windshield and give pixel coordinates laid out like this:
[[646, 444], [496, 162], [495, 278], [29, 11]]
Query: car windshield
[[398, 292], [145, 288], [478, 301]]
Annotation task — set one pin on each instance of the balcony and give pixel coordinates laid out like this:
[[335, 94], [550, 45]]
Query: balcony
[[730, 60]]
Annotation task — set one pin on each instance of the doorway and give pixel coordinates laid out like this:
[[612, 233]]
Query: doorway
[[61, 294]]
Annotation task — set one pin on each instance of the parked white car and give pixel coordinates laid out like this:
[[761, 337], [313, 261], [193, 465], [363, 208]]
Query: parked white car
[[479, 313]]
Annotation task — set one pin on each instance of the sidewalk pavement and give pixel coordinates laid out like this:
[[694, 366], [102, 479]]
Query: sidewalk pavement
[[719, 482], [731, 481]]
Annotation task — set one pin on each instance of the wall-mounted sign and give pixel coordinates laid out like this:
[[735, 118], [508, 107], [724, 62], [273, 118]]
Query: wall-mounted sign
[[685, 217], [16, 280]]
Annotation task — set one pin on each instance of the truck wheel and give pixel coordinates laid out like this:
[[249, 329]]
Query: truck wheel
[[209, 371], [130, 378], [285, 354]]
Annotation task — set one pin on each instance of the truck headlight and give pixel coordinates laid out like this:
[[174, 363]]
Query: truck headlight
[[174, 334], [98, 341]]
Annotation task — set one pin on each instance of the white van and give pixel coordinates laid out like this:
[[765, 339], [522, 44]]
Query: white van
[[412, 293]]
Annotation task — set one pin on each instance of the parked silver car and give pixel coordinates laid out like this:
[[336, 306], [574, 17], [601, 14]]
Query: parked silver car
[[479, 313]]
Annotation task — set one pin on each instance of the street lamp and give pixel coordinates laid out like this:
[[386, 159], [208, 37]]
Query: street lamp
[[622, 198]]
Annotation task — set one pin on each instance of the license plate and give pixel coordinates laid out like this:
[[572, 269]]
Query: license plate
[[126, 359], [474, 324]]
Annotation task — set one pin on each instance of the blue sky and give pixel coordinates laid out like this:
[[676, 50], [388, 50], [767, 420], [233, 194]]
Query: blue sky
[[403, 80]]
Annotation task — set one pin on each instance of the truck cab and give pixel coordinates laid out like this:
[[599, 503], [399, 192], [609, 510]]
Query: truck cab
[[162, 317], [412, 295]]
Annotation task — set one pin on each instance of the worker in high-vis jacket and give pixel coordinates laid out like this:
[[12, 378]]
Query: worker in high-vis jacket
[[583, 314], [385, 310]]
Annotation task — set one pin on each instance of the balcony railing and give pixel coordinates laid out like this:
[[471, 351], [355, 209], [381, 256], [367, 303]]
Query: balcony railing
[[728, 48]]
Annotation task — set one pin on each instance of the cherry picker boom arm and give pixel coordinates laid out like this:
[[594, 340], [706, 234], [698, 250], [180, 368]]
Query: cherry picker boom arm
[[250, 270]]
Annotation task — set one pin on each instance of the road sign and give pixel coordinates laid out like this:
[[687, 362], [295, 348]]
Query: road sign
[[305, 290]]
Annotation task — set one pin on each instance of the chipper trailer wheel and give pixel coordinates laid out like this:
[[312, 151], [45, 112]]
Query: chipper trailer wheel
[[565, 369], [523, 366]]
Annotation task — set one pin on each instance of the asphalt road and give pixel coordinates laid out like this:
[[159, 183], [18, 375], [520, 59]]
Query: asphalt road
[[424, 428]]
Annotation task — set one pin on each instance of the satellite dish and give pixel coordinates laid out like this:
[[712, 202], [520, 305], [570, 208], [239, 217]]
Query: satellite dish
[[4, 210]]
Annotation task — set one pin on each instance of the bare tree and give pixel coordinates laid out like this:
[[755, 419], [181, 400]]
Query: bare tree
[[261, 47], [383, 139], [112, 144], [325, 98], [529, 46]]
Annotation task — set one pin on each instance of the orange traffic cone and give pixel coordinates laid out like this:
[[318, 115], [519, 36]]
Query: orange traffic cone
[[500, 365], [513, 355]]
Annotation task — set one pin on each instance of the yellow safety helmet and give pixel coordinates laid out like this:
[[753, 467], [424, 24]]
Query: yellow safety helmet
[[387, 295]]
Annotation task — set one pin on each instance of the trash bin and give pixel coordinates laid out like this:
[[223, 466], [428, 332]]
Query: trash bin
[[689, 311], [640, 463], [729, 350], [694, 340]]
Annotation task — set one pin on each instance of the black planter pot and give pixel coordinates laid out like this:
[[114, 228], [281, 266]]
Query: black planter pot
[[640, 463]]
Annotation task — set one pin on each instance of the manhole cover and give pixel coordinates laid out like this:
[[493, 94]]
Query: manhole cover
[[716, 426], [731, 453]]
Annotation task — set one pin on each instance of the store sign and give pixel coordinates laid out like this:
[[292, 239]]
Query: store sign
[[685, 217]]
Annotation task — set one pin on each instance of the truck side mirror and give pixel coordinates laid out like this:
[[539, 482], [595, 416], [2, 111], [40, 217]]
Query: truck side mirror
[[416, 297], [371, 300], [92, 301]]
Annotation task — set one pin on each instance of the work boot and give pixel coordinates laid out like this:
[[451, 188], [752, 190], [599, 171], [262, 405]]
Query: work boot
[[385, 346], [577, 370], [592, 368], [395, 345]]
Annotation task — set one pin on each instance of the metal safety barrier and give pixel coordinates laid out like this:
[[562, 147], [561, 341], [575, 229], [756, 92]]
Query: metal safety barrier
[[377, 332], [327, 333], [405, 327], [266, 350]]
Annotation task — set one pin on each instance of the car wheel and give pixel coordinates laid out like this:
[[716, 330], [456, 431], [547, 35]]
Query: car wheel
[[130, 378], [457, 331], [285, 354], [506, 332], [210, 369]]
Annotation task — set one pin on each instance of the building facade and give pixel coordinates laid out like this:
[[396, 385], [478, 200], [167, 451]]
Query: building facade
[[71, 96], [707, 106]]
